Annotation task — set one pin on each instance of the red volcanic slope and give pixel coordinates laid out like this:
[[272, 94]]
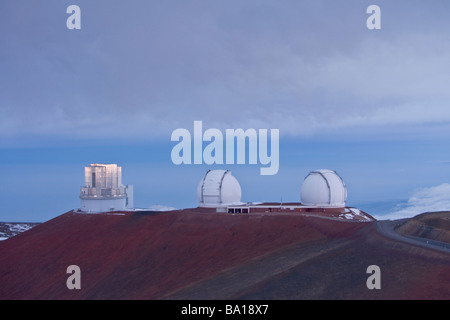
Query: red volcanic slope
[[196, 253]]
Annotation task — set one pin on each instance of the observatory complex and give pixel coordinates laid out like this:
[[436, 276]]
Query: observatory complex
[[103, 190], [323, 192]]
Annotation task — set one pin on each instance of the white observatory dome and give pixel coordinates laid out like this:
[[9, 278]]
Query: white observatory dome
[[218, 188], [323, 188]]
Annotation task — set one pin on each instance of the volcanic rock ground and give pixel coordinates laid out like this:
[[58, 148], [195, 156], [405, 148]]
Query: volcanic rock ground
[[199, 254], [429, 225]]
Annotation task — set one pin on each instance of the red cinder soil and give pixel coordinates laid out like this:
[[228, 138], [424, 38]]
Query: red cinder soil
[[191, 253]]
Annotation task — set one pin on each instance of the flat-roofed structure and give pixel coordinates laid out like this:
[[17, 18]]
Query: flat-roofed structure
[[103, 190]]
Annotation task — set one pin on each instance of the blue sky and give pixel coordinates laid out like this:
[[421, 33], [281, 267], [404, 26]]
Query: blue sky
[[370, 104]]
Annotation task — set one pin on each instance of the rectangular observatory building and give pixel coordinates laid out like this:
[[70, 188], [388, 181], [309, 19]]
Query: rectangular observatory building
[[103, 189]]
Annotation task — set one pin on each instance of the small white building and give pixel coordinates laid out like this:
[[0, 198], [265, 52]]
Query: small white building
[[323, 188], [103, 190], [218, 189]]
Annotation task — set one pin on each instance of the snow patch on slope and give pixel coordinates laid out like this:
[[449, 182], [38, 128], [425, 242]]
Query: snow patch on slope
[[10, 229]]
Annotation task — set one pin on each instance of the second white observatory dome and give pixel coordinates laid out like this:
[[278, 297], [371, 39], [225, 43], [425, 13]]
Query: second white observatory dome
[[323, 188], [218, 188]]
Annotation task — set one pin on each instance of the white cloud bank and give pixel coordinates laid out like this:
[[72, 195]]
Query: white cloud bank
[[430, 199]]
